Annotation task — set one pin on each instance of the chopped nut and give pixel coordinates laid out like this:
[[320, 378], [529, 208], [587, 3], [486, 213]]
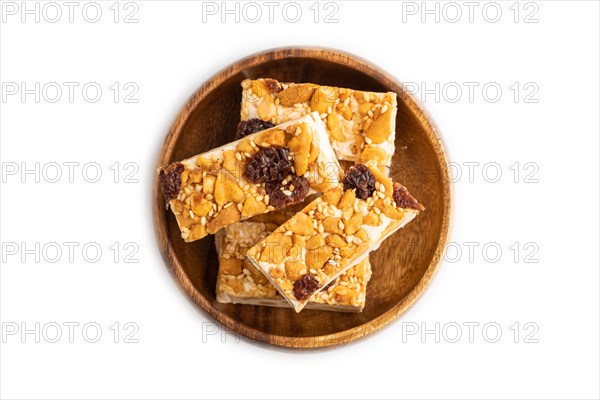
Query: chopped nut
[[332, 225], [315, 242], [379, 130], [314, 152], [335, 241], [335, 127], [389, 210], [317, 257], [332, 196], [347, 200], [266, 110], [373, 153], [353, 224], [295, 94], [275, 137], [225, 217], [300, 145], [276, 248], [365, 107], [301, 224], [200, 206], [197, 231], [346, 111], [208, 184], [362, 235], [245, 146], [226, 190], [323, 98], [253, 206], [372, 219], [294, 270], [299, 241], [230, 163]]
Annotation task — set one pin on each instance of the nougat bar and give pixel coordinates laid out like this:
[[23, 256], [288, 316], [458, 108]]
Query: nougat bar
[[361, 124], [333, 233], [259, 173], [239, 282]]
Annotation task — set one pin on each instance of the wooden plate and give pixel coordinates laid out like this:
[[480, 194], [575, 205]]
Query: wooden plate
[[402, 266]]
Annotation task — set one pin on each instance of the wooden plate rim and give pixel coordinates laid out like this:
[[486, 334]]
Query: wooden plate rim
[[308, 342]]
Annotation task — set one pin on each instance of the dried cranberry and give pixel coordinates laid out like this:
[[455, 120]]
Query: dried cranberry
[[278, 199], [272, 164], [170, 181], [251, 126], [361, 178], [404, 199], [305, 287]]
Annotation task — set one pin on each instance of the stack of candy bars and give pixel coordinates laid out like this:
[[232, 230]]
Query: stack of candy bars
[[292, 228]]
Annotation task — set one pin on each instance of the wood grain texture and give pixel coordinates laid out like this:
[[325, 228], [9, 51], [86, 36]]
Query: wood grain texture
[[402, 266]]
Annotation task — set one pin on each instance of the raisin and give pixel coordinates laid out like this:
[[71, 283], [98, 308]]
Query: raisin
[[404, 199], [251, 126], [272, 164], [305, 287], [278, 199], [170, 181], [361, 178], [272, 85]]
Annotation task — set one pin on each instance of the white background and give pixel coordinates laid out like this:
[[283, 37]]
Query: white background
[[179, 352]]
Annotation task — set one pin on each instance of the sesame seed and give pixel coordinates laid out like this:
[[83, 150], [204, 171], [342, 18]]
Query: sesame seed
[[203, 221], [191, 214], [228, 205], [287, 193], [384, 109], [368, 140], [238, 156]]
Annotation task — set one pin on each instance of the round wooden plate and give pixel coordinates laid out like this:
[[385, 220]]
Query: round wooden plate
[[402, 266]]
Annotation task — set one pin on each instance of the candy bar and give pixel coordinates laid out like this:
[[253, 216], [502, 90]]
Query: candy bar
[[262, 172], [333, 233], [238, 281], [361, 125]]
